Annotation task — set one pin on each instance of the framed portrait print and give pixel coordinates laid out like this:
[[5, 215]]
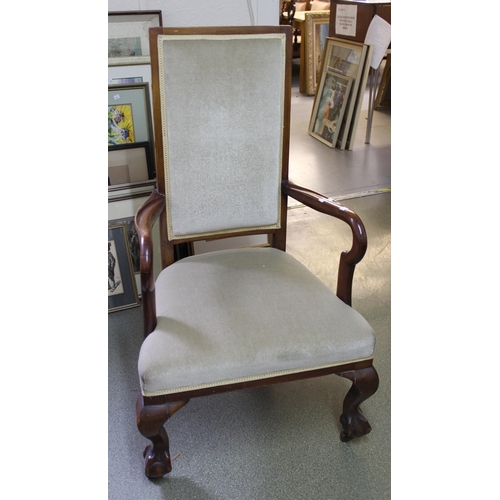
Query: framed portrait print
[[317, 25], [129, 119], [329, 107], [122, 290], [121, 212], [128, 36], [132, 240]]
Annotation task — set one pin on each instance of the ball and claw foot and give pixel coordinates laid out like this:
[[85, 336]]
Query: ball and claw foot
[[354, 426], [156, 465]]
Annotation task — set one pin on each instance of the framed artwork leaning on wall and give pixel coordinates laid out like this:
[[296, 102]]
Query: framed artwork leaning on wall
[[122, 291], [128, 36], [329, 107], [130, 128]]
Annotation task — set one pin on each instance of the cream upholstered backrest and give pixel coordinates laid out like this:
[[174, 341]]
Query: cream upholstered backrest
[[222, 100]]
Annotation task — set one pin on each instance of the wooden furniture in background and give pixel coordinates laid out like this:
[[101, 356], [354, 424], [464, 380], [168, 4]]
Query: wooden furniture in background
[[365, 11], [383, 99]]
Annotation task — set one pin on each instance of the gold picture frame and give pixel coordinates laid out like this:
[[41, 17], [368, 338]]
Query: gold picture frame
[[316, 25], [349, 59], [329, 107]]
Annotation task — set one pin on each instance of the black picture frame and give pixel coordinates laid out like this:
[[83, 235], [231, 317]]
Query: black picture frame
[[135, 159], [125, 27], [132, 239], [130, 103], [122, 290]]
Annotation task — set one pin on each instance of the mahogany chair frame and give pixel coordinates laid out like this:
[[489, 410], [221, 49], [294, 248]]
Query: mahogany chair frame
[[153, 412]]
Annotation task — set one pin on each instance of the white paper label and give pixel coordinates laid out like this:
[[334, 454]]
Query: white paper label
[[345, 22]]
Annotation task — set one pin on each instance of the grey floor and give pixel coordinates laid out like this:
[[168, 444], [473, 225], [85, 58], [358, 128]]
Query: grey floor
[[281, 442]]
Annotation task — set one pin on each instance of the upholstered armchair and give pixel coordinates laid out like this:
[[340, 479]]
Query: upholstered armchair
[[241, 317]]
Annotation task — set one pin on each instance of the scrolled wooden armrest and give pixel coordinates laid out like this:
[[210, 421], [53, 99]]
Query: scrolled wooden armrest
[[145, 218], [348, 260]]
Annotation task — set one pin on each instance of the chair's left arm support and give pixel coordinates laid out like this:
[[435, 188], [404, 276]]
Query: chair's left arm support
[[145, 218], [348, 260]]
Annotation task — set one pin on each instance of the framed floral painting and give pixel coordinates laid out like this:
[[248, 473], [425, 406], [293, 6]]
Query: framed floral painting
[[130, 124]]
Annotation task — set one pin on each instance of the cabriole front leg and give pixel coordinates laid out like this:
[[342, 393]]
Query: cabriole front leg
[[364, 385], [150, 421]]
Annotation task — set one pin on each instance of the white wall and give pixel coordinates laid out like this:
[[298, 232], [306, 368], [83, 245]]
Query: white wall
[[206, 12]]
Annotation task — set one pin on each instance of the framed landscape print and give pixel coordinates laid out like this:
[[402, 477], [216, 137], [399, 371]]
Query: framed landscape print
[[122, 290], [315, 34], [329, 107], [130, 121], [346, 58], [128, 36]]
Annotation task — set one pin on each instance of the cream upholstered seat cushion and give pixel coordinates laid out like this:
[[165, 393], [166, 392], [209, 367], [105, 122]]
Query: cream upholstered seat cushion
[[244, 314]]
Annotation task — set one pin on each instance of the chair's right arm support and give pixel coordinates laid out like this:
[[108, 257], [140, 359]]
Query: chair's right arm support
[[348, 260], [145, 218]]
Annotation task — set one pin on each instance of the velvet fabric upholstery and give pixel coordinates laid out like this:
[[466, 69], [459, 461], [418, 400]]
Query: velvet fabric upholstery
[[259, 313], [231, 141]]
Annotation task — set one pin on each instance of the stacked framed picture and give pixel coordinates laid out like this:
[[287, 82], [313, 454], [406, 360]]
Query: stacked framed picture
[[130, 136], [128, 36], [122, 290], [131, 179], [337, 105], [314, 35], [329, 107], [131, 157]]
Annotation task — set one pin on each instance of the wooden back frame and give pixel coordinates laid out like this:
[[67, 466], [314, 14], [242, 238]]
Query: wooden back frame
[[154, 208], [277, 238], [153, 411]]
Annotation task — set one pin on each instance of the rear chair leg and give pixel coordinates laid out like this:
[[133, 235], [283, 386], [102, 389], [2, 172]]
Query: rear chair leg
[[150, 420], [364, 385]]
